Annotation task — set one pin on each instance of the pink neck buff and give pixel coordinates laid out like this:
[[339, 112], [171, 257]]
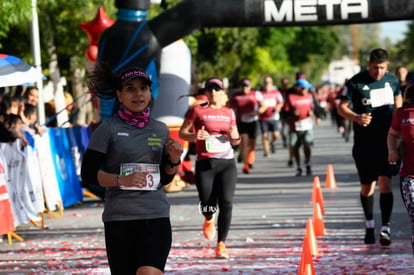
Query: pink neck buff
[[139, 120]]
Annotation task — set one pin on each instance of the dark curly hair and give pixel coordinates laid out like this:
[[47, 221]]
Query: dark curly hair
[[103, 82]]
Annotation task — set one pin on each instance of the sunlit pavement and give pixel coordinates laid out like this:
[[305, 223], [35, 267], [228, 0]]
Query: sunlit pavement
[[270, 212]]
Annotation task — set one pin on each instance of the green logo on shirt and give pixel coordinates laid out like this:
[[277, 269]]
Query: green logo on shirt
[[154, 142]]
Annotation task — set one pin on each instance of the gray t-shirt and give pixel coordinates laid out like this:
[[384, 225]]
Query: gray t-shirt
[[123, 143]]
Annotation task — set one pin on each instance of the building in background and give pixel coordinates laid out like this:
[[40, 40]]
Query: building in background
[[340, 70]]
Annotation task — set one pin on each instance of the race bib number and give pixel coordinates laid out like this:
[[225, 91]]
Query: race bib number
[[304, 124], [217, 144], [270, 102], [153, 175], [381, 97]]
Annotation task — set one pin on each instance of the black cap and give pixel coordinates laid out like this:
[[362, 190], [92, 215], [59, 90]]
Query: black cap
[[134, 73]]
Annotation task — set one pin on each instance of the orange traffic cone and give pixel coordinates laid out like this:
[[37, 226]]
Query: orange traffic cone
[[316, 185], [306, 263], [310, 235], [330, 177], [309, 270], [318, 223], [317, 195]]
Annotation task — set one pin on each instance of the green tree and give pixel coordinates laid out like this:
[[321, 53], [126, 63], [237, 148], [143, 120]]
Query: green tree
[[62, 41], [403, 52], [224, 52], [12, 13], [254, 52], [60, 34]]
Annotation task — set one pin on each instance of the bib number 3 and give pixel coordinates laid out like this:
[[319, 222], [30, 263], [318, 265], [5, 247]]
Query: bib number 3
[[152, 178]]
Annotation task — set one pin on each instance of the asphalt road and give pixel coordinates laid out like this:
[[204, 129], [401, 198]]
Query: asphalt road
[[271, 209]]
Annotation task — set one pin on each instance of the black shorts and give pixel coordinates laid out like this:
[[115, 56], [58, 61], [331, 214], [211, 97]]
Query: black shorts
[[249, 128], [136, 243], [270, 125], [371, 162]]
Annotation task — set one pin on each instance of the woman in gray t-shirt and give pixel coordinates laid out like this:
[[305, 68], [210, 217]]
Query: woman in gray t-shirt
[[133, 156]]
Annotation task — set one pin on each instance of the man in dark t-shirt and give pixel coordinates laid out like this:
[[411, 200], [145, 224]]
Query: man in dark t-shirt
[[374, 94]]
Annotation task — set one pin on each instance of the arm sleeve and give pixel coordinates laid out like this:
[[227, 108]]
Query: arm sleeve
[[165, 178], [90, 166]]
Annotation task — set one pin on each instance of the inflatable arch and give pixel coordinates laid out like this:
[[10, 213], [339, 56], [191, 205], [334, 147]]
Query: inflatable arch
[[132, 40]]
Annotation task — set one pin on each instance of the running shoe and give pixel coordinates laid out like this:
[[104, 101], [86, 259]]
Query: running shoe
[[272, 148], [308, 170], [369, 236], [385, 238], [209, 230], [221, 251], [290, 163], [246, 169], [251, 157]]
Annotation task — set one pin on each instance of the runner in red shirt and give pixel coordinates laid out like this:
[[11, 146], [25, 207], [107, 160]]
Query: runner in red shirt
[[213, 128], [300, 108], [248, 104], [401, 133], [269, 119]]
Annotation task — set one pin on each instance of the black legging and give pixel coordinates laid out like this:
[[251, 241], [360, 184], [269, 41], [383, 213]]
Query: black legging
[[407, 194], [216, 184]]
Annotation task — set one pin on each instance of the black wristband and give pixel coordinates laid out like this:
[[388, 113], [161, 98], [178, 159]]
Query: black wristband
[[174, 164]]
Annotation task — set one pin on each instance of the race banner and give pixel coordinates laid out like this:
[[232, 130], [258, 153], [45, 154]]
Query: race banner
[[79, 136], [15, 182], [51, 191], [68, 181], [33, 179], [6, 214], [75, 150], [83, 134]]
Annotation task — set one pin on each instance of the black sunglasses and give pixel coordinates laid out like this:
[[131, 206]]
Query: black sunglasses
[[215, 88]]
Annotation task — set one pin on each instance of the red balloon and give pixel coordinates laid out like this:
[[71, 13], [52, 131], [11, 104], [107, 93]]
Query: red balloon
[[95, 27], [92, 52]]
